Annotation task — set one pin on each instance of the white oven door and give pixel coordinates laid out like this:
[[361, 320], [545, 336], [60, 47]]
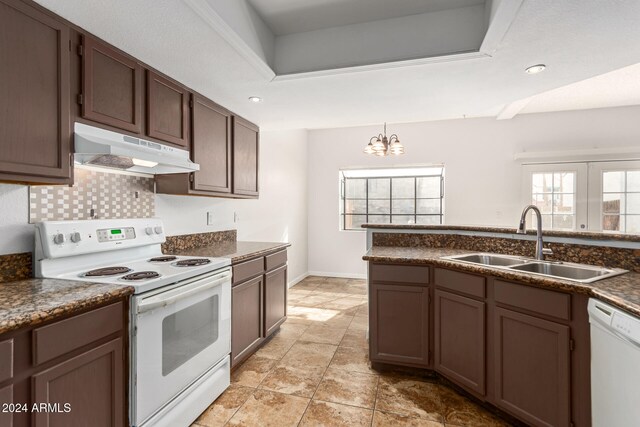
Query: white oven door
[[179, 334]]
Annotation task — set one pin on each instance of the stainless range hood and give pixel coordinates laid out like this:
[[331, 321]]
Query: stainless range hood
[[103, 148]]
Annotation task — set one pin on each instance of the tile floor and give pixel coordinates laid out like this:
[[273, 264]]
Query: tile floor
[[315, 372]]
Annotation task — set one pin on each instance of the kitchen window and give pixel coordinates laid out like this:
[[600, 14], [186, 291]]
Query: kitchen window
[[391, 196]]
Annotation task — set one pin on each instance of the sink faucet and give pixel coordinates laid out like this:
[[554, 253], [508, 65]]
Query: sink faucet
[[522, 229]]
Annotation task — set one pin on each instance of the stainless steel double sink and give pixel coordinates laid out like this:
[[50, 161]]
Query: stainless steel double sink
[[562, 270]]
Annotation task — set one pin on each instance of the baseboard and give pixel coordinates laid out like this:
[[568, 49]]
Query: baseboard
[[342, 275], [300, 278]]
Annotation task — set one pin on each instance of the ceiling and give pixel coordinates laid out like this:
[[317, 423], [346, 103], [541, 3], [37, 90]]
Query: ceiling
[[232, 59], [297, 16]]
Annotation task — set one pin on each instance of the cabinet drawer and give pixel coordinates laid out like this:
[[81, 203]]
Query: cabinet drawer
[[67, 335], [541, 301], [410, 274], [275, 260], [247, 270], [463, 283], [6, 359]]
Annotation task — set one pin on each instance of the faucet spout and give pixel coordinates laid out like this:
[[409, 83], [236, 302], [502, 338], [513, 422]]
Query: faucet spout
[[523, 227]]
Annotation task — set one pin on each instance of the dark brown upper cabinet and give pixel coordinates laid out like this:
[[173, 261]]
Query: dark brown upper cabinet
[[167, 110], [246, 140], [111, 87], [211, 146], [35, 123]]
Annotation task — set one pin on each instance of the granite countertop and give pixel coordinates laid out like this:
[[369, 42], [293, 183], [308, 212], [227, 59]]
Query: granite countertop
[[34, 301], [621, 291], [237, 251], [591, 235]]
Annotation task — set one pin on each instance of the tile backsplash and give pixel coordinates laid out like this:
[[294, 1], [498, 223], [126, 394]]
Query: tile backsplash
[[104, 195]]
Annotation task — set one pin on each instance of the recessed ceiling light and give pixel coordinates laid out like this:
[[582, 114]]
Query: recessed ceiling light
[[535, 69], [255, 99]]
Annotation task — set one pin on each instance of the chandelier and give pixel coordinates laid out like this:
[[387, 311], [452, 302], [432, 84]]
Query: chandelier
[[382, 146]]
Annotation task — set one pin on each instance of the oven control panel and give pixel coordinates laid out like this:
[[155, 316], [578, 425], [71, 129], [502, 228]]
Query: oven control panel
[[115, 234]]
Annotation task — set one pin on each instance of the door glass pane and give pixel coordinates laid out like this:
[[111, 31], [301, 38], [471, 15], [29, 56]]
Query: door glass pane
[[633, 181], [564, 221], [613, 182], [613, 203], [633, 203], [403, 188], [542, 183], [404, 206], [189, 331], [612, 223], [544, 202], [379, 207], [633, 224], [563, 203], [379, 188]]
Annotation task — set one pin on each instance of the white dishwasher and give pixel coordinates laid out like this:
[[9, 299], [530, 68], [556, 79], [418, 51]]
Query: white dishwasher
[[615, 366]]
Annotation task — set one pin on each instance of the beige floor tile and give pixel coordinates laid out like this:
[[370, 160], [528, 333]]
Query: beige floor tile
[[349, 388], [339, 321], [252, 371], [325, 414], [310, 315], [221, 411], [293, 380], [323, 334], [384, 419], [276, 348], [460, 411], [308, 354], [355, 338], [268, 409], [409, 397], [352, 359], [291, 329], [359, 323]]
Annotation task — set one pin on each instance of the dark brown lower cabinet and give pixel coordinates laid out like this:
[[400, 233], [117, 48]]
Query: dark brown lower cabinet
[[532, 370], [246, 318], [459, 333], [258, 303], [85, 390], [70, 372], [275, 307], [399, 324]]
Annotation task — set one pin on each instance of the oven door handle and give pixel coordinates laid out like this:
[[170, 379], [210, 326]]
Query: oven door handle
[[171, 297]]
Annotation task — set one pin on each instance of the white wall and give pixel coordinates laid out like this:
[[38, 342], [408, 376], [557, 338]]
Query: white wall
[[482, 182], [279, 215], [16, 234]]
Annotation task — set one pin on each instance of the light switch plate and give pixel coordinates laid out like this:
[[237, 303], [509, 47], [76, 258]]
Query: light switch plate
[[210, 219]]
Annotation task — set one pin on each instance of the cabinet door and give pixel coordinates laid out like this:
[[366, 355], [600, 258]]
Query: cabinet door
[[459, 328], [211, 149], [275, 299], [532, 369], [111, 87], [87, 389], [399, 324], [6, 397], [245, 157], [35, 126], [246, 319], [167, 112]]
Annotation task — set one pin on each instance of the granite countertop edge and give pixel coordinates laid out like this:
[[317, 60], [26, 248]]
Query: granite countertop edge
[[31, 313], [236, 251], [589, 235], [596, 289]]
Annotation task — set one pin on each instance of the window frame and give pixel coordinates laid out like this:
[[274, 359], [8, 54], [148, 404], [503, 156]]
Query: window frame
[[343, 199]]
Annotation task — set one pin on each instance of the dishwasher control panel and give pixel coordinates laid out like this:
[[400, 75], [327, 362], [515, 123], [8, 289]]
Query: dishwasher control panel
[[626, 326]]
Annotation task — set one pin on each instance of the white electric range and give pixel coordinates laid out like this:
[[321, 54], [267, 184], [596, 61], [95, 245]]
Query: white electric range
[[180, 329]]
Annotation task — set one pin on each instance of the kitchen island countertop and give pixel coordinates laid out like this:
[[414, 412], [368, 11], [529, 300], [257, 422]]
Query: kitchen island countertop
[[621, 291]]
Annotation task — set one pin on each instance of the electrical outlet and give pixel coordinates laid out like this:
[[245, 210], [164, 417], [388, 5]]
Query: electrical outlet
[[210, 219]]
